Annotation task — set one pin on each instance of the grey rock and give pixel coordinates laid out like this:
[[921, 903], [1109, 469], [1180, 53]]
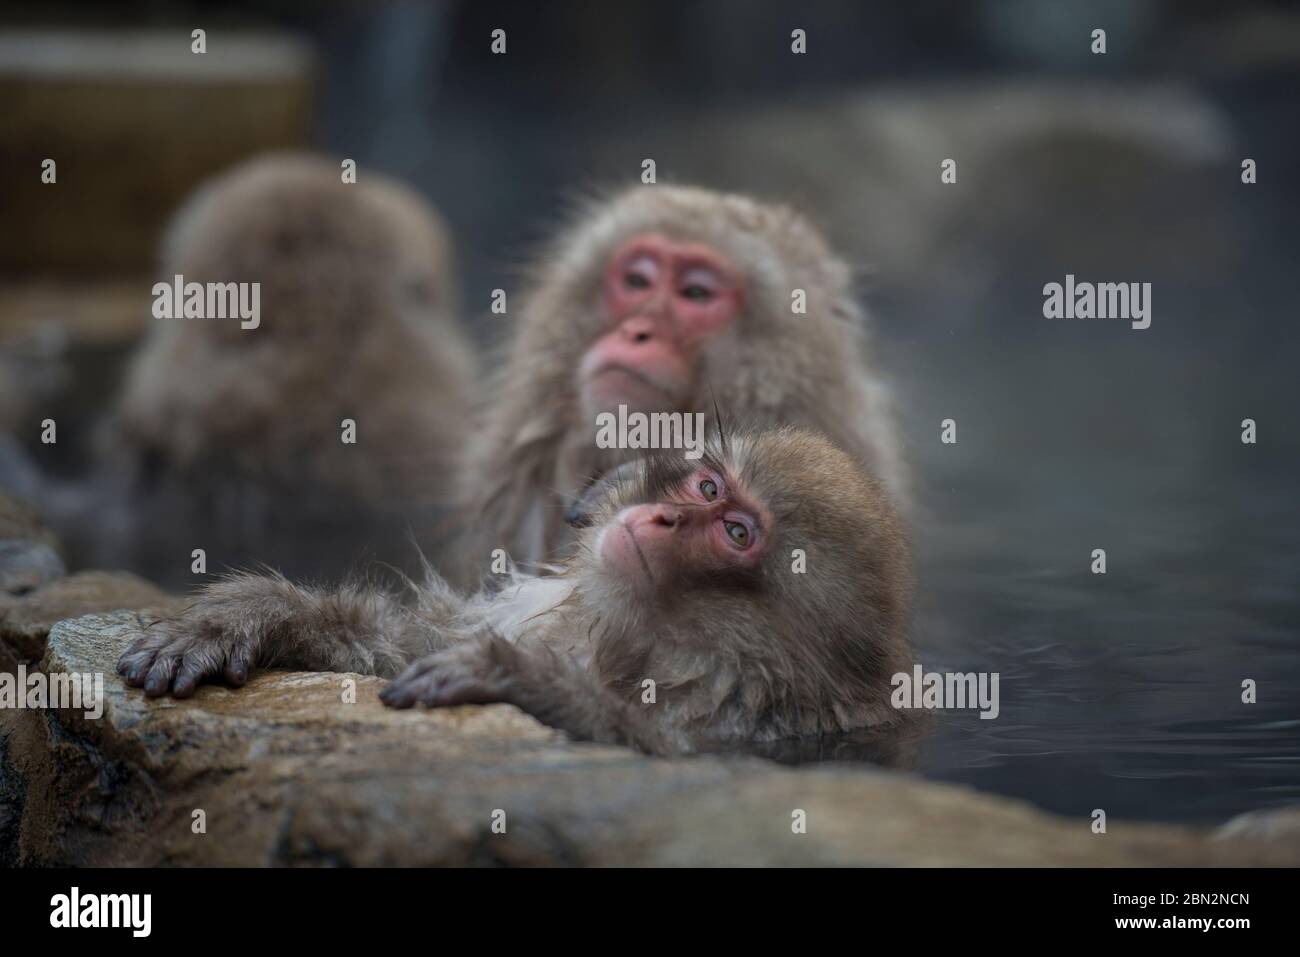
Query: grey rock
[[1271, 824], [20, 520], [25, 620], [26, 566]]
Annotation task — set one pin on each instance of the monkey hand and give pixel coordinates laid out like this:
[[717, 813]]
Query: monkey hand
[[247, 620], [221, 633], [175, 654], [479, 671], [554, 690]]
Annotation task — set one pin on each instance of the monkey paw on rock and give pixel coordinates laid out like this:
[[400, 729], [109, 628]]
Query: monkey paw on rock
[[472, 672], [175, 654]]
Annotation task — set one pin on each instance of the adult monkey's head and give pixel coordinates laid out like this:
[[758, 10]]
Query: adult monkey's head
[[664, 301]]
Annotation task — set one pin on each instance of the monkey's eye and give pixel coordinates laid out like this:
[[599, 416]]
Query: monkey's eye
[[709, 489], [640, 272], [700, 285], [738, 534]]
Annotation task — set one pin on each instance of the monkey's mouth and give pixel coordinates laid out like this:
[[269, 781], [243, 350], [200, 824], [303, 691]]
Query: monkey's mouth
[[618, 381], [645, 565]]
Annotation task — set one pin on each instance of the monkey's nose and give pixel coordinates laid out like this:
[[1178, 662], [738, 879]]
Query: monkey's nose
[[667, 515], [651, 519], [639, 329]]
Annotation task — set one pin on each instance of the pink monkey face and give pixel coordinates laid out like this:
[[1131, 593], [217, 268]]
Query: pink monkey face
[[663, 300], [710, 527]]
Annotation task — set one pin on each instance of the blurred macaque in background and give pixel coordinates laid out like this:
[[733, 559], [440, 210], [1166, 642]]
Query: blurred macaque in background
[[299, 396], [343, 403]]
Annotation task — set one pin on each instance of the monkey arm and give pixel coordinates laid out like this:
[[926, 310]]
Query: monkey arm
[[247, 621], [553, 689]]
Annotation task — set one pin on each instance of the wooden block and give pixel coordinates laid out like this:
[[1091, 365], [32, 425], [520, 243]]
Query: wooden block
[[134, 120]]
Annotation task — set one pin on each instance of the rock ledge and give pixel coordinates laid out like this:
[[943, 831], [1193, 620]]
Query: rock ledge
[[287, 773]]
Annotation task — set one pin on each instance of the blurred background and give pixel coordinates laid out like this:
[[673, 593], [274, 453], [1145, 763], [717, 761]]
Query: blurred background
[[1119, 691]]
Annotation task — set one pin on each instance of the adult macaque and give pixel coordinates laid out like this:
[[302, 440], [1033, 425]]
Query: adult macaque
[[667, 299], [281, 439], [683, 578]]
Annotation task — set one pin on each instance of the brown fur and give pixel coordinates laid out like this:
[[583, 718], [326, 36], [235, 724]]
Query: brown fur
[[772, 366], [759, 656], [357, 321]]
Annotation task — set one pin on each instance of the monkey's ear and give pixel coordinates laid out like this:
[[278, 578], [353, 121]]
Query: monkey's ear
[[609, 487]]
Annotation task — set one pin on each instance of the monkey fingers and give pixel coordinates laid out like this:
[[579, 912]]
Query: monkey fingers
[[468, 673], [173, 659]]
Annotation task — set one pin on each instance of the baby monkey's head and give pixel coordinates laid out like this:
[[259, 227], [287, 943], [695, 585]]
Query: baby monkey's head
[[772, 537]]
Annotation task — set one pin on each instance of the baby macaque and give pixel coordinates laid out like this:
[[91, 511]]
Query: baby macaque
[[671, 299], [756, 594], [347, 395]]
